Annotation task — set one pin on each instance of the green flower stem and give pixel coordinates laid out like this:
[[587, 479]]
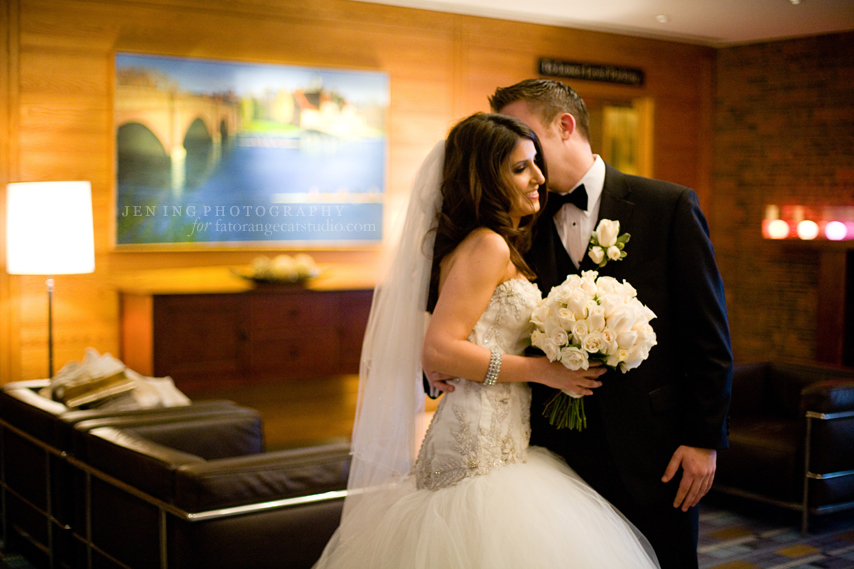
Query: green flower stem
[[565, 412]]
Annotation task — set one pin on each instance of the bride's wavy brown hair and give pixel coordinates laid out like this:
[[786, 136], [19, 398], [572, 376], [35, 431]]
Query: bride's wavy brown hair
[[477, 190]]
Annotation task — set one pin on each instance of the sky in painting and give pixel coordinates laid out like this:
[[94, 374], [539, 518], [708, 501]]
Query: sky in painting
[[252, 79]]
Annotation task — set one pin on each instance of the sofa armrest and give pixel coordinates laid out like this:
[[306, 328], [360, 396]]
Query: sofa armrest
[[830, 396], [261, 478], [23, 408], [131, 448], [147, 466], [830, 405], [787, 381]]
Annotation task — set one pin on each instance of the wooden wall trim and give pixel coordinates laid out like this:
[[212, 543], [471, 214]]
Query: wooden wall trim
[[9, 72]]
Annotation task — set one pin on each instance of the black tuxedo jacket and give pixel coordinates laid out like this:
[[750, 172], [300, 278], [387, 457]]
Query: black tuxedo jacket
[[680, 394]]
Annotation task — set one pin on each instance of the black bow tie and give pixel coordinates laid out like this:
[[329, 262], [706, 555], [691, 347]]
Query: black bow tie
[[577, 197]]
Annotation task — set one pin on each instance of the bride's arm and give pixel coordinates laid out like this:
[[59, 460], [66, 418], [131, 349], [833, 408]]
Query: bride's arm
[[471, 273]]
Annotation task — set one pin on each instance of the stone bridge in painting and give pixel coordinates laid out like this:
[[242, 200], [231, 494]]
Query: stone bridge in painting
[[169, 116]]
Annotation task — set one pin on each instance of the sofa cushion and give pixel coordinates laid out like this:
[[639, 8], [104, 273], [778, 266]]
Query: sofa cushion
[[253, 479]]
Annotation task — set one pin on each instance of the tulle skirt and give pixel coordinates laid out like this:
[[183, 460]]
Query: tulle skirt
[[538, 514]]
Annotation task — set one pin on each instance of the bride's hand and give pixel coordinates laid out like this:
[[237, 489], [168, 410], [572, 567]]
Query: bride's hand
[[578, 382]]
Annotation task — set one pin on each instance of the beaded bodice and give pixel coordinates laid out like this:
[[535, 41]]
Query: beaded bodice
[[478, 428]]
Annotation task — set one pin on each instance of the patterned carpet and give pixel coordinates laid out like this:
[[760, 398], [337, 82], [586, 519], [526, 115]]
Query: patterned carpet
[[735, 534], [739, 535]]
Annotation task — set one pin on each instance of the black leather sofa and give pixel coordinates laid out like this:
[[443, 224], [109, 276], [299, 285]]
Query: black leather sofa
[[38, 495], [178, 487], [791, 437], [204, 498]]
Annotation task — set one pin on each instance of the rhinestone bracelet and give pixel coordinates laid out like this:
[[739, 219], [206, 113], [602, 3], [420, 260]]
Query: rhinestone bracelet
[[494, 367]]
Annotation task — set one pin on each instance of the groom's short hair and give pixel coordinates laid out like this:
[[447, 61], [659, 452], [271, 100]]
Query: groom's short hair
[[547, 98]]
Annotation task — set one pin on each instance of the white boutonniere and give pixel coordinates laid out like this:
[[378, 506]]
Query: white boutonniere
[[606, 243]]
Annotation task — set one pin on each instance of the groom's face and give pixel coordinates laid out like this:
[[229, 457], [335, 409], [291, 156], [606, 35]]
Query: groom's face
[[550, 140]]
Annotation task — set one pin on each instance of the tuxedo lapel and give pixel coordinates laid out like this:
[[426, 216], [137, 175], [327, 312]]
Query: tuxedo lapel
[[548, 257], [615, 206]]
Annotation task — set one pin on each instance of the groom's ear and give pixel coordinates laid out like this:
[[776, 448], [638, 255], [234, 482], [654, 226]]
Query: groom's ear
[[565, 124]]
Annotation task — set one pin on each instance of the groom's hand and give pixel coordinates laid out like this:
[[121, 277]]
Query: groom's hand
[[439, 380], [698, 473]]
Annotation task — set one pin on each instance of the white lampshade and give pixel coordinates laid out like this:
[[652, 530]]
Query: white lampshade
[[49, 228]]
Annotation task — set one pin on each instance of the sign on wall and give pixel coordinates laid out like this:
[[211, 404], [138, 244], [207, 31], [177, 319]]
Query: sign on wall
[[590, 71], [217, 153]]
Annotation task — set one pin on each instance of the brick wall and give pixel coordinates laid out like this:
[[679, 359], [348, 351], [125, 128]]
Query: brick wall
[[784, 135]]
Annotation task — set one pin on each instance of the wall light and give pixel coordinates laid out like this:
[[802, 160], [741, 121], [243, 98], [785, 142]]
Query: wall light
[[807, 230], [835, 231], [778, 229], [824, 222]]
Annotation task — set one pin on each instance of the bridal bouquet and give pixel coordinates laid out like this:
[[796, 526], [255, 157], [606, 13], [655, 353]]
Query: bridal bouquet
[[586, 319]]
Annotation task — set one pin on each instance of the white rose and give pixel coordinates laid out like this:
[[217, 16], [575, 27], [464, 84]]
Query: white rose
[[614, 253], [616, 358], [596, 317], [627, 339], [646, 335], [622, 319], [610, 302], [610, 339], [648, 313], [551, 349], [577, 303], [580, 331], [573, 281], [593, 343], [559, 336], [596, 253], [565, 317], [628, 291], [539, 314], [574, 358], [634, 358], [607, 232], [537, 338], [607, 285], [551, 326], [559, 294], [588, 285]]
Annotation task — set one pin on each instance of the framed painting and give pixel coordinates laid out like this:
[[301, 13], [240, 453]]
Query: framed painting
[[218, 154]]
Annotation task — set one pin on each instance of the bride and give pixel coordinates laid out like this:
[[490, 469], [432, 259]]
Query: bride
[[475, 494]]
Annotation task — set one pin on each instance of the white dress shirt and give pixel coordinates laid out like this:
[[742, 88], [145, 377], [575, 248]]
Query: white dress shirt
[[575, 226]]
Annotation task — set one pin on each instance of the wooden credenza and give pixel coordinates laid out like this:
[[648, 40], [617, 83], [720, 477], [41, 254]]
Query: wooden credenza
[[270, 333]]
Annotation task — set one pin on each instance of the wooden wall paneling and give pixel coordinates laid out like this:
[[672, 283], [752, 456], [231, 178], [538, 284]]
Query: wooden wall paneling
[[676, 82], [64, 111], [441, 67]]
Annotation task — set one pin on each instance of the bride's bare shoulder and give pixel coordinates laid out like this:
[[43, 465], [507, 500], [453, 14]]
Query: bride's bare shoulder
[[483, 241], [482, 251]]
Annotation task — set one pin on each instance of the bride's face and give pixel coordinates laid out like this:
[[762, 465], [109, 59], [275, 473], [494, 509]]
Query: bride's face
[[525, 176]]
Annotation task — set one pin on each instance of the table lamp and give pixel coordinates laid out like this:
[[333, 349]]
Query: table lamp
[[49, 231]]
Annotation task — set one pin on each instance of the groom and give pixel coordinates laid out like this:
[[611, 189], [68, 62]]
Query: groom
[[652, 433]]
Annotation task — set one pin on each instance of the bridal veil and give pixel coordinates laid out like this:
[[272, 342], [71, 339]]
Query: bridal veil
[[389, 413]]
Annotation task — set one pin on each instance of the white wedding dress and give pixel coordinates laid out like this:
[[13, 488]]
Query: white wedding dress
[[479, 496]]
